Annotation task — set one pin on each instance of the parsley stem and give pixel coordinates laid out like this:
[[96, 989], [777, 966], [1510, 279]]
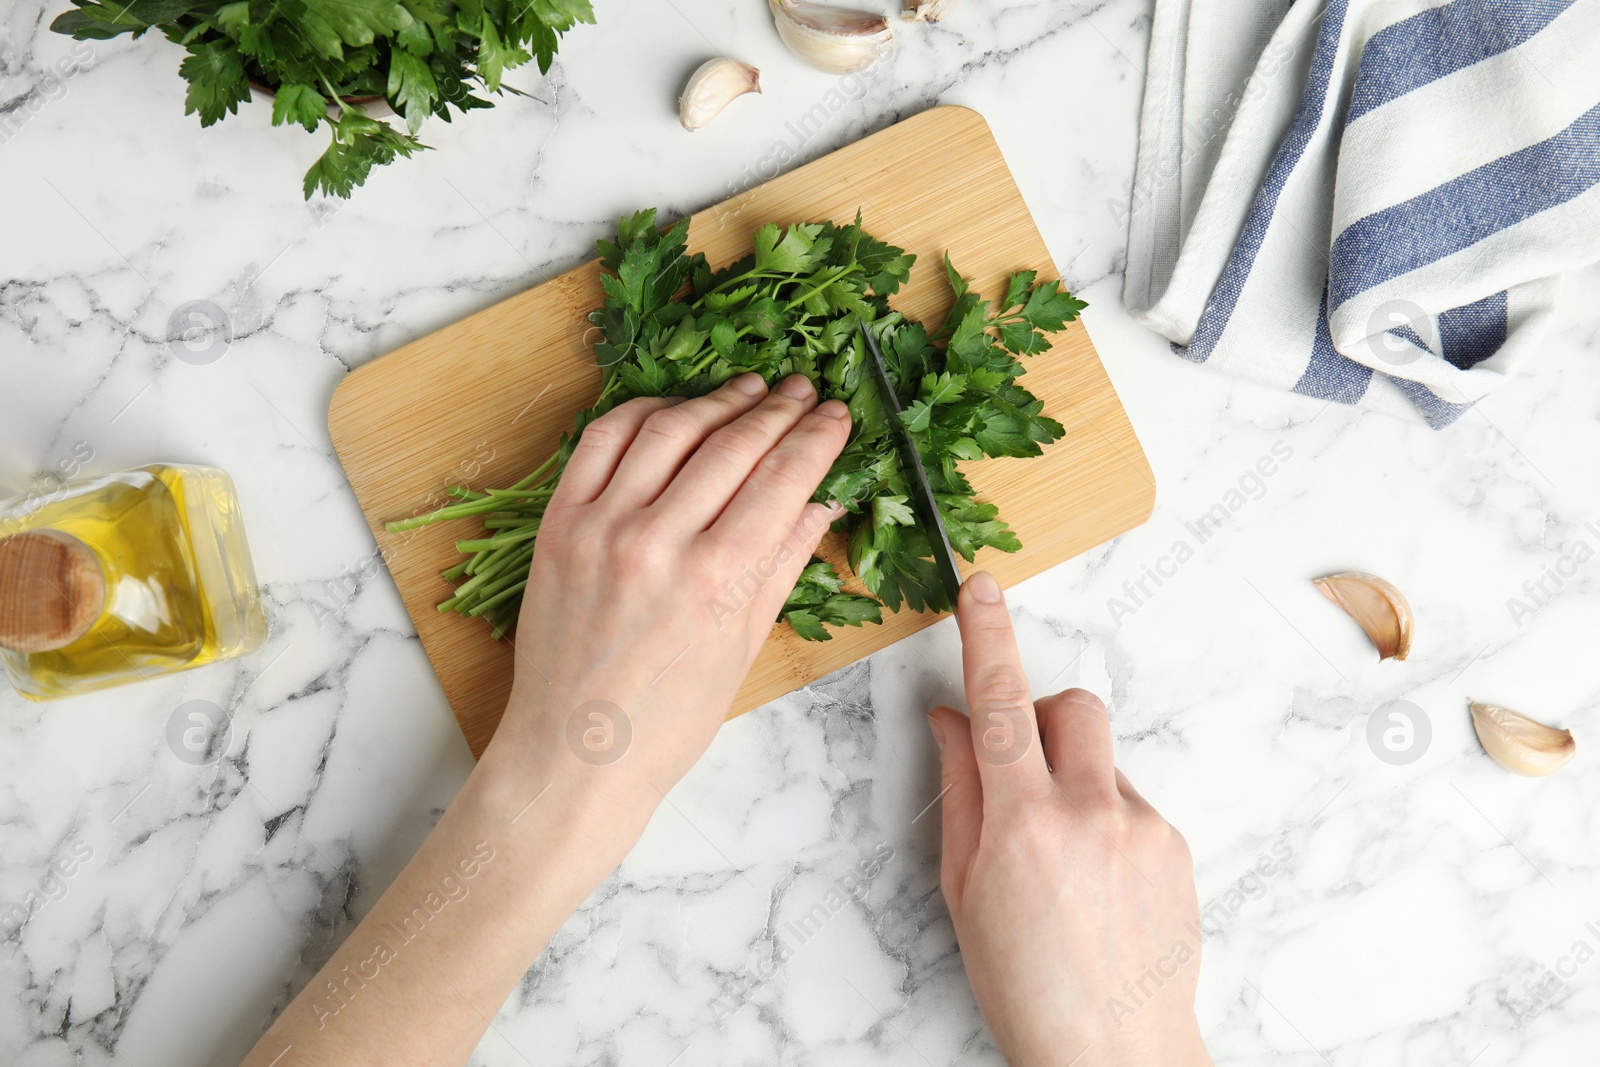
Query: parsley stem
[[842, 271], [539, 475], [333, 94], [525, 532], [474, 503], [499, 598], [702, 364], [737, 278], [463, 510]]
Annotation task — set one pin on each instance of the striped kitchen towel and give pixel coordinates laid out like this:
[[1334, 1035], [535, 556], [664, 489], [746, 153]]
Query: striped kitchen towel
[[1368, 201]]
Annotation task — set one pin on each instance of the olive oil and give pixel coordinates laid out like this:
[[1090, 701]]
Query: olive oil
[[129, 576]]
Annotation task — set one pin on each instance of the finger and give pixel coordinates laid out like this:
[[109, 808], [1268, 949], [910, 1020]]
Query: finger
[[785, 478], [600, 449], [711, 477], [670, 436], [1130, 794], [765, 584], [1004, 730], [960, 800], [1076, 733]]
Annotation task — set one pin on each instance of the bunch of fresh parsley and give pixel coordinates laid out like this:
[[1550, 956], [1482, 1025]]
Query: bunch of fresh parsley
[[675, 327], [423, 56]]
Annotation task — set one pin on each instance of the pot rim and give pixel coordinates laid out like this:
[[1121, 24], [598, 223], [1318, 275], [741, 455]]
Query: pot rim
[[361, 101]]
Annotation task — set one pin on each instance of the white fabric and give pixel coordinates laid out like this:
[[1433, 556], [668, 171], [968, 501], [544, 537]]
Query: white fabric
[[1446, 155]]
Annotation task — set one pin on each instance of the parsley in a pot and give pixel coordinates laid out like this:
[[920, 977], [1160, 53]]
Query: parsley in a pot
[[321, 57]]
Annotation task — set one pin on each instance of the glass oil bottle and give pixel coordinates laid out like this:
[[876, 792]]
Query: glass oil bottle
[[128, 576]]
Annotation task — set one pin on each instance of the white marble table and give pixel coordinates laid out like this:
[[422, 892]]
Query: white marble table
[[1427, 914]]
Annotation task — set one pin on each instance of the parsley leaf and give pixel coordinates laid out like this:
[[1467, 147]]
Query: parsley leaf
[[1050, 308], [818, 601], [299, 103], [217, 82], [411, 84], [496, 56], [357, 22], [787, 252], [359, 144]]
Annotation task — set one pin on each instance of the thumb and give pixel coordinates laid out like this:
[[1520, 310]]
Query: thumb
[[961, 800]]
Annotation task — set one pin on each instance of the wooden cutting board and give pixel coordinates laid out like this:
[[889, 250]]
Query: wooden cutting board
[[482, 402]]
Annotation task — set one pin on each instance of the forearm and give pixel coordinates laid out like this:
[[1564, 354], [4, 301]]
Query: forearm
[[608, 711], [419, 979]]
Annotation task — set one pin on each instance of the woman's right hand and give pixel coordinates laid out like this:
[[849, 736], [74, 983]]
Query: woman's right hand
[[1073, 900]]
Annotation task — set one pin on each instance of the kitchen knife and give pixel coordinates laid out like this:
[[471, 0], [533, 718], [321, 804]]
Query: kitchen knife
[[918, 486]]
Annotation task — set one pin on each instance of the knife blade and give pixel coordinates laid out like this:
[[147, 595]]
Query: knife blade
[[923, 502]]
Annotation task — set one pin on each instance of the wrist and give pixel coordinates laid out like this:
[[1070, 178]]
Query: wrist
[[1175, 1043], [535, 787]]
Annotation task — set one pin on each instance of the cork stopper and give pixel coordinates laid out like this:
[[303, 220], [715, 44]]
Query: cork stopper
[[51, 591]]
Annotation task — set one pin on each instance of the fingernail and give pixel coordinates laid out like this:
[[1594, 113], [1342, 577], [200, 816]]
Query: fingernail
[[1083, 698], [834, 409], [937, 727], [985, 590], [749, 384], [836, 509], [796, 387]]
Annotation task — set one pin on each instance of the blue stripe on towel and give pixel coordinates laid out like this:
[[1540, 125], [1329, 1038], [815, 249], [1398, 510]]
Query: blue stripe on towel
[[1330, 375], [1307, 117], [1474, 333], [1425, 47], [1410, 336], [1466, 210], [1439, 413]]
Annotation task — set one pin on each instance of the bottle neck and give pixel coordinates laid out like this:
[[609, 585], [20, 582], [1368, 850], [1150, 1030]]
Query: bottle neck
[[52, 589]]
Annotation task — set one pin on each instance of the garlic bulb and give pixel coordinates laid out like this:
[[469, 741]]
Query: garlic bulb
[[835, 39], [926, 10], [1519, 743], [716, 84], [1377, 606]]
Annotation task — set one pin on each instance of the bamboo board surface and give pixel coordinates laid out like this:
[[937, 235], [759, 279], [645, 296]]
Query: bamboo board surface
[[483, 401]]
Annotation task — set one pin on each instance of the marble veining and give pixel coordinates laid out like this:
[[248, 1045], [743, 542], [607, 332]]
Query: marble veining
[[156, 908]]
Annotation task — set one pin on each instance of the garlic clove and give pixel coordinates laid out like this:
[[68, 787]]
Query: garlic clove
[[1377, 606], [926, 10], [716, 84], [835, 39], [1519, 743]]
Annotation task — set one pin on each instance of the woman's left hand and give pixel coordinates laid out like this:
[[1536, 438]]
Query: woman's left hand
[[665, 556]]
